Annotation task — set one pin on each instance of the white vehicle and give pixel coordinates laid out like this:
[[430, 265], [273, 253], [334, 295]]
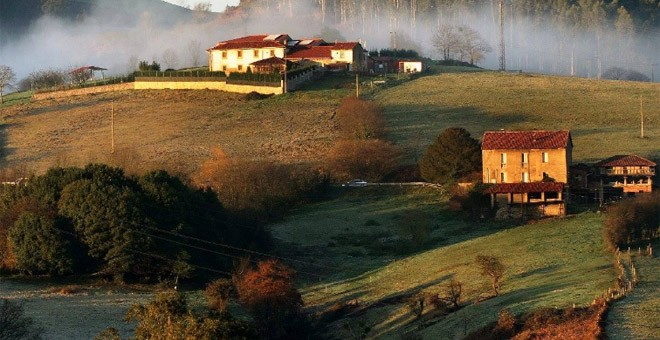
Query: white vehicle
[[355, 183]]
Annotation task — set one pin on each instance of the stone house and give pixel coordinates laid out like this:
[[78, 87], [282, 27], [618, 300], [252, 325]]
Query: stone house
[[528, 169]]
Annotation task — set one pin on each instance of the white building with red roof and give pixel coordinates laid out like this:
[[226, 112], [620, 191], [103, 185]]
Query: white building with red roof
[[241, 54]]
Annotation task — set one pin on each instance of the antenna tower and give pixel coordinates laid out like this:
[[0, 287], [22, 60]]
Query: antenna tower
[[502, 58]]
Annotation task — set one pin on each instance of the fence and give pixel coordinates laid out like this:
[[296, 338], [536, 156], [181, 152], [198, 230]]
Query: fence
[[75, 86], [197, 75]]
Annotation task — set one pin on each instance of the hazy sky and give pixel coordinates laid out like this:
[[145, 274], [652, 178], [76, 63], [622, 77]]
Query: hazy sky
[[216, 5]]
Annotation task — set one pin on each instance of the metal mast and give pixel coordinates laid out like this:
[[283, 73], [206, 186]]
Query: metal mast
[[502, 57]]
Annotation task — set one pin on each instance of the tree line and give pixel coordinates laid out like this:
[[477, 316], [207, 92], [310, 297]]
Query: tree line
[[97, 219]]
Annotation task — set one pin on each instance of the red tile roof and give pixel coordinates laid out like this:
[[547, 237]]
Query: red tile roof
[[518, 188], [246, 45], [312, 52], [249, 38], [344, 45], [269, 61], [536, 139], [625, 160]]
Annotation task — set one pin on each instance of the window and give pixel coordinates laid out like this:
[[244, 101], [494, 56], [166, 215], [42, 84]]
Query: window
[[224, 68], [256, 53], [525, 158], [224, 54], [503, 158], [342, 54], [240, 54], [503, 177], [545, 157], [272, 53], [240, 67], [525, 177]]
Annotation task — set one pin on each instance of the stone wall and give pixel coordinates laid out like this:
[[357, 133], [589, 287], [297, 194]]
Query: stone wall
[[206, 85], [162, 85], [83, 91]]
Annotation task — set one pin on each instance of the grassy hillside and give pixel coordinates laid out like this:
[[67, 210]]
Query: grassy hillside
[[603, 116], [636, 316], [553, 263], [167, 129]]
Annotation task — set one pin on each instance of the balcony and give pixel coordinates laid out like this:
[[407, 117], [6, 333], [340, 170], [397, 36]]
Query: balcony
[[630, 172]]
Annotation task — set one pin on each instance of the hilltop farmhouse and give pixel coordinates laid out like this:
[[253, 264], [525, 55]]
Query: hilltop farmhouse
[[269, 53], [527, 169]]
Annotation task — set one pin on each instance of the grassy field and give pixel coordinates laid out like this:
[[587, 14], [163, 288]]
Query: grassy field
[[552, 263], [636, 316], [603, 116], [174, 130], [77, 311], [16, 98]]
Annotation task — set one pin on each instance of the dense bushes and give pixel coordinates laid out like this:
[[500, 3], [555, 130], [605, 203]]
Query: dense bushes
[[632, 220], [368, 159], [361, 153], [265, 291], [73, 220], [261, 189]]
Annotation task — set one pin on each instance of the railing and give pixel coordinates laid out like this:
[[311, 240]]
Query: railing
[[196, 75], [645, 171]]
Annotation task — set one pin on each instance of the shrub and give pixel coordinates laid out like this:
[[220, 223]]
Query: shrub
[[262, 189], [453, 155], [367, 159], [360, 119], [14, 324], [632, 220], [218, 294], [268, 293]]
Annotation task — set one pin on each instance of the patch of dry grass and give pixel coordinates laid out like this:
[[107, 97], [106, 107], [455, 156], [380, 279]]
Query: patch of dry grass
[[174, 130]]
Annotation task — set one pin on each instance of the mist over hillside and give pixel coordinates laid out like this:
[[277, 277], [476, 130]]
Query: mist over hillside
[[570, 37]]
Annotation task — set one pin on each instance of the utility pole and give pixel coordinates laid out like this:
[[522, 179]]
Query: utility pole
[[652, 72], [357, 85], [641, 116], [112, 128], [502, 54]]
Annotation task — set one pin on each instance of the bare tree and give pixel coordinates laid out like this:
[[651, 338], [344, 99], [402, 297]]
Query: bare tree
[[7, 76], [194, 48], [170, 58], [454, 291], [493, 267], [446, 40], [472, 45]]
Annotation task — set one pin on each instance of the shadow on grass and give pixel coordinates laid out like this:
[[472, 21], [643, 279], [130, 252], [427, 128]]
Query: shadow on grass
[[420, 124]]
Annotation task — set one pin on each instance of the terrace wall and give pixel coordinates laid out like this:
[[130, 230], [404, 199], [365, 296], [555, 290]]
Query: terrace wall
[[83, 91]]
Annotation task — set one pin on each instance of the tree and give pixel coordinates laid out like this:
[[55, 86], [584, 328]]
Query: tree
[[194, 47], [14, 325], [472, 45], [491, 266], [632, 220], [7, 76], [453, 155], [446, 40], [454, 292], [170, 59], [40, 246], [268, 293], [218, 294]]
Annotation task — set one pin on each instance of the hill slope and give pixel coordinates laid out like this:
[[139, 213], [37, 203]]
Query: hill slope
[[603, 116], [553, 263], [174, 130]]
